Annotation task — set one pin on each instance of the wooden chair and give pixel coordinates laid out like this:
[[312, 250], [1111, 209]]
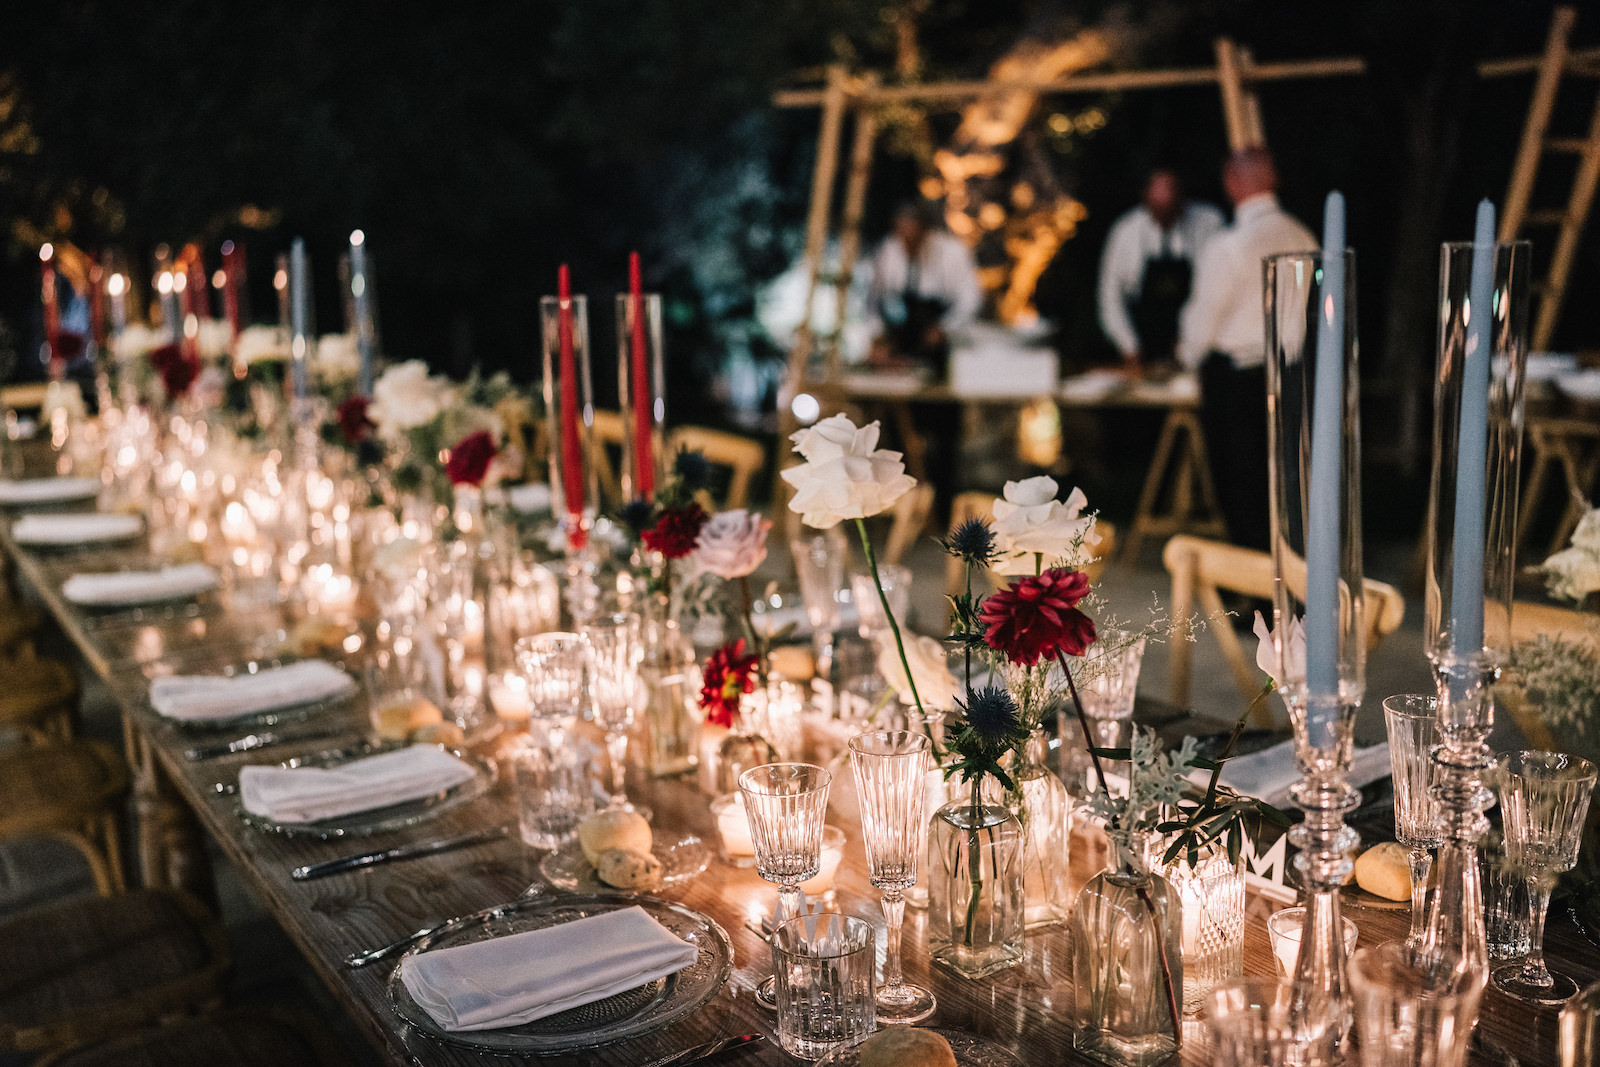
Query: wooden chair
[[39, 699], [93, 968], [742, 456], [1573, 446], [70, 790], [27, 396], [608, 433], [975, 505], [235, 1037], [1203, 569]]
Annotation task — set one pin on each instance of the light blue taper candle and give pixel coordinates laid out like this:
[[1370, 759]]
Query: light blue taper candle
[[1472, 446], [1326, 492], [299, 315], [363, 327]]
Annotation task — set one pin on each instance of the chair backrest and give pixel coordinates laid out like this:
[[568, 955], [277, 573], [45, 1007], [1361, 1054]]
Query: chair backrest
[[743, 457], [28, 396], [1203, 569], [608, 433]]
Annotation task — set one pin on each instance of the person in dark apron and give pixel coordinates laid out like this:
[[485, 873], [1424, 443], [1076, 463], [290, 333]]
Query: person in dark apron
[[1163, 290]]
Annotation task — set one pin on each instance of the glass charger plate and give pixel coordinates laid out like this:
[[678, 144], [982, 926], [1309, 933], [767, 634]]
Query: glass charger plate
[[567, 868], [267, 716], [379, 820], [620, 1018], [970, 1051]]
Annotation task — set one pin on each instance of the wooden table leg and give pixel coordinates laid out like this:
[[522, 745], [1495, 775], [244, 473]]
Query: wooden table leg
[[170, 844]]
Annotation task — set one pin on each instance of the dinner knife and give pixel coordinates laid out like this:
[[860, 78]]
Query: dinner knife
[[251, 742], [400, 852], [706, 1051]]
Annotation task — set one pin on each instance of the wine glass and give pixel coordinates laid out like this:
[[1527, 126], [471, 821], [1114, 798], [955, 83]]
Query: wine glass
[[819, 565], [555, 666], [785, 804], [1413, 723], [1544, 797], [890, 767], [616, 648]]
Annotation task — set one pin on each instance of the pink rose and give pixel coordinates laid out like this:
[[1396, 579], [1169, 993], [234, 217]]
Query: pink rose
[[732, 544]]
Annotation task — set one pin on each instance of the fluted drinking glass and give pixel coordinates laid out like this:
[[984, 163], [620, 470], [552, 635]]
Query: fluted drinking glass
[[614, 642], [1413, 723], [1414, 1005], [555, 667], [785, 804], [889, 767]]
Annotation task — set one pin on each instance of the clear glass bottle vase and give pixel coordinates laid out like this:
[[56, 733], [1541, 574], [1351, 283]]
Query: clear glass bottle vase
[[745, 745], [975, 888], [672, 717], [1127, 960], [1046, 817]]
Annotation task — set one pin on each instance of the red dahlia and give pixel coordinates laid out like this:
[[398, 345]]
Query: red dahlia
[[1039, 616], [675, 531], [469, 459], [354, 422], [728, 675], [177, 370]]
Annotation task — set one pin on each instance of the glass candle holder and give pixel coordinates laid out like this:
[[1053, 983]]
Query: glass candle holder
[[1284, 929], [832, 855], [733, 830], [569, 413], [1212, 896], [641, 393]]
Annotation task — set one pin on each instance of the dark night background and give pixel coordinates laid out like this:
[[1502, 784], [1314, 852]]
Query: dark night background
[[478, 144]]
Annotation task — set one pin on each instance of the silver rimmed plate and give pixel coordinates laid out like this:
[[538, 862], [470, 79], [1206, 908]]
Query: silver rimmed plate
[[620, 1018], [379, 820], [970, 1051], [568, 868]]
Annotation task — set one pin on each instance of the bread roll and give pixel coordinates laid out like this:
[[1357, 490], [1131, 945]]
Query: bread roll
[[399, 720], [906, 1046], [627, 869], [1385, 871], [613, 828]]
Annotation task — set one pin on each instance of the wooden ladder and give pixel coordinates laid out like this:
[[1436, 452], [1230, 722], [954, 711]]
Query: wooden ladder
[[1557, 60]]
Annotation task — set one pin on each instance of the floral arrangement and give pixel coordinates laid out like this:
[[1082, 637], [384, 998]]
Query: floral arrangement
[[1561, 673], [427, 425], [729, 674], [1574, 572]]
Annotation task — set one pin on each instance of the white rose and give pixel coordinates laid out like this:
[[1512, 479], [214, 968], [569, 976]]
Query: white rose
[[930, 667], [1267, 651], [215, 338], [405, 398], [732, 543], [1587, 535], [1572, 574], [845, 475], [262, 342], [1029, 523], [337, 357], [136, 340]]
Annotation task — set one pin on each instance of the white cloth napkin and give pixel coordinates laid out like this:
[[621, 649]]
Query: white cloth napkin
[[139, 587], [45, 490], [310, 794], [507, 981], [74, 529], [1268, 774], [200, 697]]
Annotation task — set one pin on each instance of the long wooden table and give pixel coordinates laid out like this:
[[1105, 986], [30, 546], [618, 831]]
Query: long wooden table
[[1025, 1008]]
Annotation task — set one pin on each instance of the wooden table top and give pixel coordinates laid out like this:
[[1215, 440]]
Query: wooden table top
[[1023, 1008]]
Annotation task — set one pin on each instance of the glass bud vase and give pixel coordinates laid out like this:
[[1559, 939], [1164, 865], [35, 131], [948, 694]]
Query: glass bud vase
[[672, 717], [1127, 960], [975, 894], [1046, 817], [744, 747]]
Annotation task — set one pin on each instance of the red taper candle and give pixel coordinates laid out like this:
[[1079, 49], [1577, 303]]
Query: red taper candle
[[97, 300], [232, 281], [571, 443], [52, 310], [198, 288], [642, 395]]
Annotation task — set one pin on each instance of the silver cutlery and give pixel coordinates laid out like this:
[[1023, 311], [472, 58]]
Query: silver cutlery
[[400, 852], [251, 742], [111, 620], [356, 960], [706, 1051]]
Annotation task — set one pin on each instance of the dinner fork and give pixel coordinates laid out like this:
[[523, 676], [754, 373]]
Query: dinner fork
[[356, 960]]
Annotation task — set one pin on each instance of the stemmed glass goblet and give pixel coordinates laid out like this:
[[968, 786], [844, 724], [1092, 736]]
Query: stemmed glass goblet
[[890, 767], [819, 560], [1544, 797], [1413, 723], [555, 666], [785, 804], [614, 641]]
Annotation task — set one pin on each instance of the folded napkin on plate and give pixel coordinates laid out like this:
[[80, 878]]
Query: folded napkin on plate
[[1268, 774], [139, 587], [74, 529], [507, 981], [311, 794], [43, 490], [202, 697]]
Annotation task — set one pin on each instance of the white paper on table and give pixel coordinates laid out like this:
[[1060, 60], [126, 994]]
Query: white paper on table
[[311, 794], [46, 490], [139, 587], [1268, 774], [512, 980], [74, 529], [199, 697]]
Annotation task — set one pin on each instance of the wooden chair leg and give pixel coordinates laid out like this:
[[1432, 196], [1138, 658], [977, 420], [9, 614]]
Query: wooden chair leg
[[1153, 479], [1183, 638]]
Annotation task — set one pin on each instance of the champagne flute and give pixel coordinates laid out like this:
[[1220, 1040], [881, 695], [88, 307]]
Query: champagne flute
[[616, 648], [1413, 723]]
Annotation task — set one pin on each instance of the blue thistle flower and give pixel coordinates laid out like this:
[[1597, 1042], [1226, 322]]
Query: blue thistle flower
[[972, 541], [693, 469], [637, 514], [992, 714]]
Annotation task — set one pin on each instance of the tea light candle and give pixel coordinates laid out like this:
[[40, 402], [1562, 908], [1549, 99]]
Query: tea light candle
[[508, 695], [832, 855], [734, 826]]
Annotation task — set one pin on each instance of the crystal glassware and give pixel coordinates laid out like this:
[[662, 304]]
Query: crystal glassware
[[1413, 724], [1283, 932], [819, 562], [822, 965], [1108, 683], [889, 769], [1471, 544], [870, 619], [555, 792], [616, 650], [1314, 466], [1505, 901], [1414, 1007], [785, 804], [1212, 896], [1544, 797], [555, 667], [1047, 806], [641, 394], [1249, 1023], [569, 411], [1579, 1040]]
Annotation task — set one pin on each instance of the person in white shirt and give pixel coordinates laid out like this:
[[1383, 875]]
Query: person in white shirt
[[1222, 334], [924, 285], [1148, 265]]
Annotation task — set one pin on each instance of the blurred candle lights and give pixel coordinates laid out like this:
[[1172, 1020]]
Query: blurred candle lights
[[738, 850]]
